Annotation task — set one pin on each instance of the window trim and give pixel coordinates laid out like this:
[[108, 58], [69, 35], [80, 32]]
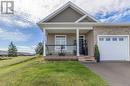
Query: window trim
[[65, 42]]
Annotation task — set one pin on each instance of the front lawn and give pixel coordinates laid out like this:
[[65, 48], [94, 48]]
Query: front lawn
[[13, 60], [55, 73]]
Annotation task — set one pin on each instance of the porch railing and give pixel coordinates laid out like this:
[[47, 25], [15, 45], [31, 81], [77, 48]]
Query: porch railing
[[61, 50]]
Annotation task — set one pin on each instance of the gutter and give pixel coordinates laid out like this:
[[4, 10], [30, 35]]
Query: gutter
[[81, 24]]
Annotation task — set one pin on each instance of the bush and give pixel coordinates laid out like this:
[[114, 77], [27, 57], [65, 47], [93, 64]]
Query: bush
[[97, 54]]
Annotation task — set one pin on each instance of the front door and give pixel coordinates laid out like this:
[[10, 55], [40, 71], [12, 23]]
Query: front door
[[81, 44]]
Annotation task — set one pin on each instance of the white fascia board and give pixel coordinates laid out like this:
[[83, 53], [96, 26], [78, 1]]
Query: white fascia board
[[84, 24], [68, 28], [69, 4], [80, 18], [85, 13], [90, 16], [75, 7], [56, 12]]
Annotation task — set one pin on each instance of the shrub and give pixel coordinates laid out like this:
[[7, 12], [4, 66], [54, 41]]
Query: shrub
[[97, 54]]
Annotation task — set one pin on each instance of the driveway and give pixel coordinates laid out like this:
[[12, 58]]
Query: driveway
[[115, 73]]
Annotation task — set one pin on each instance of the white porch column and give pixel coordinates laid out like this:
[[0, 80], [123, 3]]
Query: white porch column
[[44, 43], [77, 41]]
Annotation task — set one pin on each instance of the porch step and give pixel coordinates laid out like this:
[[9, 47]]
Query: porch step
[[86, 59]]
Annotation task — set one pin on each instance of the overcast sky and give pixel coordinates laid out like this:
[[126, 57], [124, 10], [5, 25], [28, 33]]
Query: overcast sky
[[21, 27]]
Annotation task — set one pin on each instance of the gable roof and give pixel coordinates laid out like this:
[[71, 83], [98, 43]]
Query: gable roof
[[73, 6], [67, 15]]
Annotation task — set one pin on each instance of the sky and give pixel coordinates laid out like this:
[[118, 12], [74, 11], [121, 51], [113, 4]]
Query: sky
[[21, 27]]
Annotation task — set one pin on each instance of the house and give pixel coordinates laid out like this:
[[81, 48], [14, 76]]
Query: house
[[72, 31]]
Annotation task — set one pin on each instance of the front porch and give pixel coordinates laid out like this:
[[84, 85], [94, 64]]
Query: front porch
[[68, 42], [70, 58]]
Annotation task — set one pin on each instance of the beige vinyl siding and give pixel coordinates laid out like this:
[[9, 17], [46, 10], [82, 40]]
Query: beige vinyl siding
[[68, 15], [90, 41]]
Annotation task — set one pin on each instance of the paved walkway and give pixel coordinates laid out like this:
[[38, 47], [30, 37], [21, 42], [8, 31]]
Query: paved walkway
[[115, 73]]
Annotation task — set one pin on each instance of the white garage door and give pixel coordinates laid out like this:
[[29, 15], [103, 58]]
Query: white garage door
[[113, 47]]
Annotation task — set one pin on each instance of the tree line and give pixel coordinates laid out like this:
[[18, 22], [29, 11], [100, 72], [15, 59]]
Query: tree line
[[12, 49]]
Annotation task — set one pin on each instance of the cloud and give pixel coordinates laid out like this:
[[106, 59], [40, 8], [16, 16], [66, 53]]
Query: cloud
[[13, 35], [1, 30], [4, 49], [12, 20], [116, 16], [22, 24], [35, 10], [95, 6], [39, 9], [26, 49]]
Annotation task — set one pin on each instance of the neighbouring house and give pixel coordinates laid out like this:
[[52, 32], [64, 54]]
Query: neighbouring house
[[72, 31]]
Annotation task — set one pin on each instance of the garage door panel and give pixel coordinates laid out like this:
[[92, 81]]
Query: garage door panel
[[113, 47]]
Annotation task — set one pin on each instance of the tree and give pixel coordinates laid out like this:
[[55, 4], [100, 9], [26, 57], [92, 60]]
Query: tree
[[12, 50], [39, 48], [97, 53]]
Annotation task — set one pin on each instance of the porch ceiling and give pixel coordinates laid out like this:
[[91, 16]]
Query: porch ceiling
[[65, 31]]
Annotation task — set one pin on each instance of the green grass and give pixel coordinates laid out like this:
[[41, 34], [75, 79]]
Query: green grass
[[13, 60], [53, 73]]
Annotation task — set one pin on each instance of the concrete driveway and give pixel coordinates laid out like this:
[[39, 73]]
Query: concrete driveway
[[115, 73]]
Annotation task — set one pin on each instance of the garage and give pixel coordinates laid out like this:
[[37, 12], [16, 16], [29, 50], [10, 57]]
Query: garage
[[113, 47]]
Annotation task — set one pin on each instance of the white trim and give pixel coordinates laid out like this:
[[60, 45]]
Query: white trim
[[117, 36], [56, 12], [85, 23], [58, 25], [69, 4], [77, 39], [65, 42], [67, 28], [83, 17], [80, 18], [44, 43]]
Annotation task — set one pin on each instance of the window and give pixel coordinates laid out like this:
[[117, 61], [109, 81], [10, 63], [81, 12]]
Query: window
[[121, 39], [60, 40], [107, 39], [114, 39], [101, 39]]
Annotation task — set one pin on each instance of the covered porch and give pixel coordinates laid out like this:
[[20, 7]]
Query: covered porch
[[68, 42]]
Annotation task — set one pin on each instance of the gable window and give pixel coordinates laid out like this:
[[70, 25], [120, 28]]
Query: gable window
[[114, 39], [108, 39], [121, 39], [60, 42], [101, 39]]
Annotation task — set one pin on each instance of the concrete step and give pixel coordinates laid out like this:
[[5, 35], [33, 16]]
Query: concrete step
[[87, 59]]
